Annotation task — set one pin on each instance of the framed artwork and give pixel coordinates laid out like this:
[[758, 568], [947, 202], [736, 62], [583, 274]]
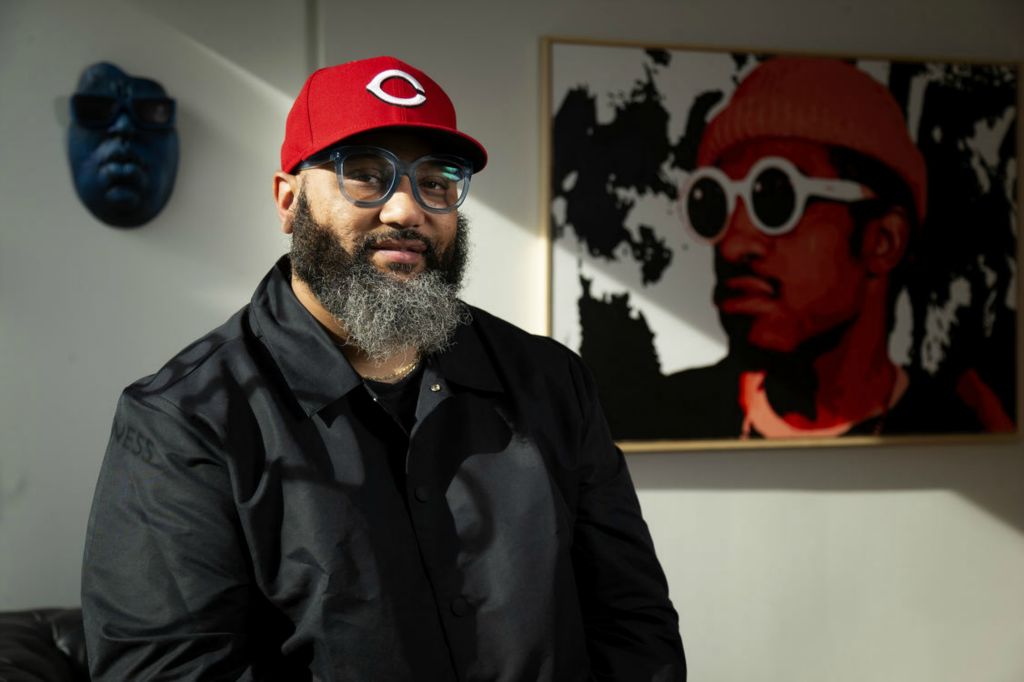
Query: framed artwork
[[755, 250]]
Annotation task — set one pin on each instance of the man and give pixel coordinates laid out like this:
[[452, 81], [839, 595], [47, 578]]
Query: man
[[122, 145], [812, 193], [359, 477]]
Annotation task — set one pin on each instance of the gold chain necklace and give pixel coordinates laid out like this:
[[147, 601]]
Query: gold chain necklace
[[399, 373]]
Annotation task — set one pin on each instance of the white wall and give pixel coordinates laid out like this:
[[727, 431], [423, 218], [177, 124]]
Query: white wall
[[896, 563], [86, 309]]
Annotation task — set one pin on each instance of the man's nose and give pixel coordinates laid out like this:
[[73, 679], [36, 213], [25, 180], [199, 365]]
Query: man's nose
[[402, 209], [122, 125], [742, 241]]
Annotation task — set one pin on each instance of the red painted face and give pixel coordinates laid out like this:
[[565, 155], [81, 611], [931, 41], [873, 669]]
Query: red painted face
[[777, 292]]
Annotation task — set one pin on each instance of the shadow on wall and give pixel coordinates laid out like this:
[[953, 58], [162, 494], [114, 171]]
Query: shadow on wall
[[11, 488]]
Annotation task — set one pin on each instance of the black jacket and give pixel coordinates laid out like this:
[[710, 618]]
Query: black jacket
[[259, 516]]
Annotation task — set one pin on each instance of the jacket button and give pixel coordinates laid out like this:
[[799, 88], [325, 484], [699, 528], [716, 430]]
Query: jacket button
[[422, 493], [460, 607], [435, 388]]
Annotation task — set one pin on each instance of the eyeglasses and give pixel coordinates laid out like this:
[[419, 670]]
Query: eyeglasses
[[775, 193], [100, 111], [369, 176]]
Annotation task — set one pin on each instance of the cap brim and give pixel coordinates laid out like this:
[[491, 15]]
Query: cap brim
[[445, 140]]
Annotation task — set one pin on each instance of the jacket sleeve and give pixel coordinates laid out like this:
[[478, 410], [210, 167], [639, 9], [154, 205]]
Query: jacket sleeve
[[631, 626], [165, 580]]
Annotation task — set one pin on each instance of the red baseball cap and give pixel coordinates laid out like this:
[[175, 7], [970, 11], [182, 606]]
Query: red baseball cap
[[337, 102]]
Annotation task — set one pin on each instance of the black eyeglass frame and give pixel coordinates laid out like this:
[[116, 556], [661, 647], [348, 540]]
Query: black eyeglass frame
[[127, 104], [337, 155]]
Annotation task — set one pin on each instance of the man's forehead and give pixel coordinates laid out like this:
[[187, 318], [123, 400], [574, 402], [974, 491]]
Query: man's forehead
[[107, 79], [812, 158], [406, 143]]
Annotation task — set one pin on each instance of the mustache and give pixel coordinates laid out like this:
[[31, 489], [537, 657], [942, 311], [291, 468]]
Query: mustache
[[726, 270], [394, 234]]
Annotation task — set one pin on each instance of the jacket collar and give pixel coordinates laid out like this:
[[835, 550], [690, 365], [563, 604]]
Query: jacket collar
[[315, 369], [468, 363]]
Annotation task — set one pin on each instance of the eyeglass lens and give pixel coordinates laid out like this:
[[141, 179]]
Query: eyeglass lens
[[99, 111], [707, 206], [369, 177], [773, 198], [772, 201]]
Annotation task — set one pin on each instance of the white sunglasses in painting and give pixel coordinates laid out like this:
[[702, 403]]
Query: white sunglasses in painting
[[775, 193]]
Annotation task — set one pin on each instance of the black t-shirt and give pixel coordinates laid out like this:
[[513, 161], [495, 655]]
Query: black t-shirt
[[398, 398]]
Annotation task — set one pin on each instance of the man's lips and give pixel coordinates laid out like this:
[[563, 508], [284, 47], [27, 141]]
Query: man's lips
[[120, 167], [121, 172], [750, 285], [400, 250], [746, 294]]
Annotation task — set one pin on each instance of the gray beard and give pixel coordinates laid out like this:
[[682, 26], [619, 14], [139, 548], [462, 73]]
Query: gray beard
[[382, 315]]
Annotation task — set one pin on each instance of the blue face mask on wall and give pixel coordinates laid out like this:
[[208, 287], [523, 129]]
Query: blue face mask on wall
[[122, 145]]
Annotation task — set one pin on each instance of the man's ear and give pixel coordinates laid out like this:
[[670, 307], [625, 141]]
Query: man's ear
[[286, 193], [885, 241]]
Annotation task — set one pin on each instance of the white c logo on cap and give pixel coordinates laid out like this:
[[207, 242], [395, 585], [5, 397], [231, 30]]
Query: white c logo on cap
[[375, 87]]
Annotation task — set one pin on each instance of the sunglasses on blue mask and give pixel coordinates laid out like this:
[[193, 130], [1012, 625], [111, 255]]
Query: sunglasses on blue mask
[[774, 192], [100, 111]]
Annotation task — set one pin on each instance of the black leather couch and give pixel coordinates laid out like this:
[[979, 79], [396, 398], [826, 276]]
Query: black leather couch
[[42, 645]]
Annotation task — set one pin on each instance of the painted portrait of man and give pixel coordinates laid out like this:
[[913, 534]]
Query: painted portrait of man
[[838, 305]]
